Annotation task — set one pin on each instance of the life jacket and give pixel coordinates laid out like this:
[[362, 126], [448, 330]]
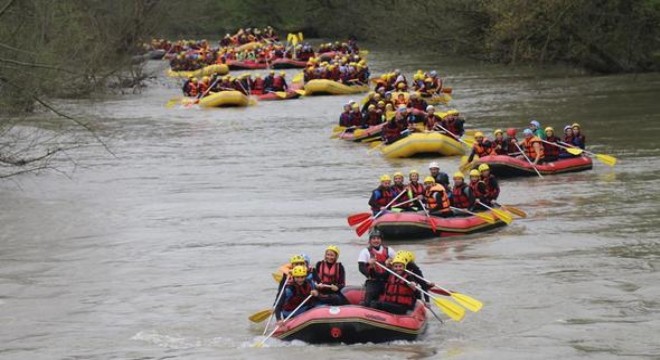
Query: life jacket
[[380, 257], [374, 118], [504, 147], [528, 147], [356, 118], [459, 198], [300, 293], [399, 292], [579, 140], [432, 202], [258, 86], [511, 147], [391, 134], [329, 274], [345, 119], [418, 104], [549, 150], [386, 195], [415, 189], [492, 188], [482, 149], [202, 87], [568, 139], [278, 83], [192, 89], [399, 189], [478, 193], [431, 121]]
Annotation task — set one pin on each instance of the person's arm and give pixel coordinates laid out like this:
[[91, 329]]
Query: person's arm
[[375, 195], [471, 157], [537, 149], [283, 299], [364, 268], [495, 188], [341, 277]]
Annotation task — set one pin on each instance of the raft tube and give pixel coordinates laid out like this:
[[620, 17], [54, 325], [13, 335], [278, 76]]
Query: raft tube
[[246, 65], [410, 225], [330, 87], [225, 99], [362, 134], [505, 166], [423, 143], [290, 94], [220, 69], [288, 64], [350, 324]]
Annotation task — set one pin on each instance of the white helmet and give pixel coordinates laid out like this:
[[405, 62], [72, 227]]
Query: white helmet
[[429, 108], [434, 164]]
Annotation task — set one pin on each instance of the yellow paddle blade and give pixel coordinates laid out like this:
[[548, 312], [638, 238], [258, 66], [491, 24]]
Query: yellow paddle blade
[[300, 92], [173, 101], [375, 144], [452, 310], [260, 316], [277, 276], [574, 151], [502, 215], [468, 302], [468, 142], [514, 210], [338, 128], [486, 217], [281, 94], [466, 167], [606, 159], [300, 36], [299, 77], [358, 132]]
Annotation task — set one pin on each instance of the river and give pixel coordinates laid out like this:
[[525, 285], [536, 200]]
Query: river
[[165, 249]]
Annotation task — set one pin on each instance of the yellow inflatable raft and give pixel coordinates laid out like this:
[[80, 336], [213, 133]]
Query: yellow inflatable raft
[[423, 143], [220, 69], [225, 98], [330, 87]]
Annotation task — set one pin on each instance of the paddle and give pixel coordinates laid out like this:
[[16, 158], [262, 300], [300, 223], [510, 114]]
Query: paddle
[[453, 135], [528, 160], [486, 217], [604, 158], [466, 301], [260, 316], [512, 209], [298, 78], [502, 215], [431, 221], [362, 228], [369, 215], [452, 310], [277, 299], [261, 344], [280, 94], [570, 150]]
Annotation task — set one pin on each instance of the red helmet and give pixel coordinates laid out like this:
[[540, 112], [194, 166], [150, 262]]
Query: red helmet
[[511, 132]]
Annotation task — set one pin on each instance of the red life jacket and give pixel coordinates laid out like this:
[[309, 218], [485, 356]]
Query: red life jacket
[[390, 133], [356, 118], [398, 292], [432, 202], [492, 191], [300, 293], [415, 190], [258, 86], [380, 257], [399, 189], [482, 149], [551, 150], [202, 87], [386, 195], [511, 145], [278, 83], [474, 186], [329, 274], [459, 198], [504, 147], [374, 118], [430, 121], [450, 124], [192, 89]]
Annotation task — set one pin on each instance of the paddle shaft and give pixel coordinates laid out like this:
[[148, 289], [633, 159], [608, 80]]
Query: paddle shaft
[[275, 304], [569, 146], [452, 134], [404, 280], [529, 161], [559, 146], [428, 216], [285, 320]]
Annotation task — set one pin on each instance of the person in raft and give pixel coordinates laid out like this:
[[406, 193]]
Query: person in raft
[[440, 177], [482, 146], [399, 297], [533, 147], [295, 293], [330, 278], [462, 196], [436, 198], [382, 195], [296, 260], [376, 276], [414, 268], [492, 187]]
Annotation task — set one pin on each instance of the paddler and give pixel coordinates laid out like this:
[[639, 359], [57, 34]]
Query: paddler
[[438, 176], [382, 195], [550, 151], [462, 196], [399, 296], [482, 147], [436, 198], [579, 140], [411, 266], [532, 147], [535, 126], [415, 188], [398, 187], [295, 293], [492, 187], [376, 252], [330, 278]]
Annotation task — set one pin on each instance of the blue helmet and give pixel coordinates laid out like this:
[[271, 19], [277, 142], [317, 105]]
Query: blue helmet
[[535, 123], [528, 132]]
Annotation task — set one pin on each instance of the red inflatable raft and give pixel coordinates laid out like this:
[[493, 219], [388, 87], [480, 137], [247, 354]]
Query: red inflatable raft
[[288, 64], [350, 324], [245, 65], [290, 94], [362, 134], [410, 225], [509, 166]]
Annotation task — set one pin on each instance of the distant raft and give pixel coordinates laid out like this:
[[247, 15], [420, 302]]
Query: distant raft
[[361, 135], [285, 63], [220, 69], [423, 143], [246, 65], [415, 225], [330, 87], [225, 99], [278, 95], [505, 166]]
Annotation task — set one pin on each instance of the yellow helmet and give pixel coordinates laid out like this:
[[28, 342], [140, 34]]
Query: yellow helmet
[[333, 248], [371, 107], [398, 173], [549, 128], [413, 172], [459, 174], [478, 134], [411, 256], [576, 125], [429, 179], [385, 178], [428, 80], [475, 172], [299, 271], [483, 167], [296, 259], [452, 112], [498, 131], [400, 259]]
